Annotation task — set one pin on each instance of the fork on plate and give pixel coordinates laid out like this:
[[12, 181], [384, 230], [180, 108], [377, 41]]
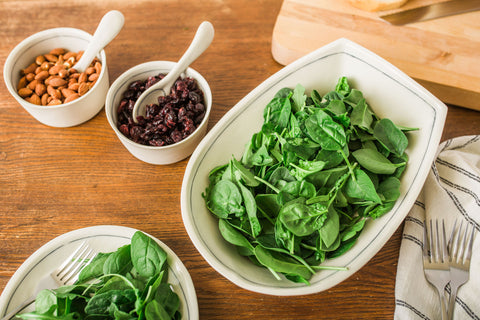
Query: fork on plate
[[66, 274], [460, 249], [436, 260]]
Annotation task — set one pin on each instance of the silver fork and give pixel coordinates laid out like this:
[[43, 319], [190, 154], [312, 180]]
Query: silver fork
[[460, 249], [435, 260], [66, 274]]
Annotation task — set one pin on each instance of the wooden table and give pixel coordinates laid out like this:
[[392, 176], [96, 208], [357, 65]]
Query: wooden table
[[54, 180]]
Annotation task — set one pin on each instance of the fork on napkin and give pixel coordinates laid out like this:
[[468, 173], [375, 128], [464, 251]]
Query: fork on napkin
[[451, 192]]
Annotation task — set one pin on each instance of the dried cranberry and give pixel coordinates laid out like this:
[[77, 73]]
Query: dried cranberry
[[174, 118]]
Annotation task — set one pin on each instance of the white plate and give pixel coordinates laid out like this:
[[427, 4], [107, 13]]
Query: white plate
[[391, 94], [102, 239]]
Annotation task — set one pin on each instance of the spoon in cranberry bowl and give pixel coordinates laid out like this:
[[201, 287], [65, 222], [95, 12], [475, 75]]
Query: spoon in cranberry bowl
[[201, 41]]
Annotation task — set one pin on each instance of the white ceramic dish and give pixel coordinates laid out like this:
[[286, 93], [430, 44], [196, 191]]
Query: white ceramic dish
[[68, 114], [102, 239], [391, 94], [151, 154]]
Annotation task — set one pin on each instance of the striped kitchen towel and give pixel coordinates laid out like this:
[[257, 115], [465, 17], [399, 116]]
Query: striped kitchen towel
[[451, 192]]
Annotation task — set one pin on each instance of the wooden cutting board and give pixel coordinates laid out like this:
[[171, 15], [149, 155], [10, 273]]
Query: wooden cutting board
[[443, 54]]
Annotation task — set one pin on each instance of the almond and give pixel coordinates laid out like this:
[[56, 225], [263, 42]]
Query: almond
[[40, 89], [51, 57], [93, 77], [98, 67], [39, 60], [30, 69], [82, 77], [56, 69], [74, 86], [45, 65], [83, 88], [54, 93], [90, 70], [69, 54], [25, 92], [44, 99], [70, 62], [22, 83], [57, 51], [30, 76], [71, 97], [54, 102], [42, 75], [57, 82], [63, 73], [32, 84], [60, 60], [67, 92], [34, 99]]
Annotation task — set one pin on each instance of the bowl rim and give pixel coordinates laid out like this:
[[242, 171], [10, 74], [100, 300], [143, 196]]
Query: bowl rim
[[25, 43], [150, 66], [343, 46]]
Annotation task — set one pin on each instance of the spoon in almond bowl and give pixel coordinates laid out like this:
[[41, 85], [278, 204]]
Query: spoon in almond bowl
[[107, 30], [201, 41]]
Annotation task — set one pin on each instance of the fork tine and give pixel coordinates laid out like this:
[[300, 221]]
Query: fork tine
[[431, 242], [69, 269], [456, 242], [468, 248], [450, 240], [426, 243], [81, 262], [444, 243]]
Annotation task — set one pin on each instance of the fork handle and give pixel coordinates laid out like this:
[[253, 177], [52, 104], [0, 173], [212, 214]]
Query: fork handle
[[451, 302], [25, 304], [443, 306]]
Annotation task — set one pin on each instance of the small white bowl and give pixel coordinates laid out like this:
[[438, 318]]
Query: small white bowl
[[67, 114], [151, 154], [103, 238], [390, 93]]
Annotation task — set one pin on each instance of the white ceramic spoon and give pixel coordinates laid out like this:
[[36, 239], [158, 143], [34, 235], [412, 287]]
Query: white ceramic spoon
[[108, 28], [201, 41]]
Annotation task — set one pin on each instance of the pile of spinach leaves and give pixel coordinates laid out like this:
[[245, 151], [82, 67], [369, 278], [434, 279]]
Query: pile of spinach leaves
[[309, 180], [130, 283]]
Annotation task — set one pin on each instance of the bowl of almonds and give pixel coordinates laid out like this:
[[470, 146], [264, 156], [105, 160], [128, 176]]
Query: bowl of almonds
[[39, 74]]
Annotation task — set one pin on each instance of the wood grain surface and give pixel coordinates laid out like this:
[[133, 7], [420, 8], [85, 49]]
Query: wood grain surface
[[54, 180], [442, 54]]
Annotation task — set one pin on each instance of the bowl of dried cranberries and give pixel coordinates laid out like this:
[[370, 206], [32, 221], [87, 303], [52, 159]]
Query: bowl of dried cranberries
[[172, 128]]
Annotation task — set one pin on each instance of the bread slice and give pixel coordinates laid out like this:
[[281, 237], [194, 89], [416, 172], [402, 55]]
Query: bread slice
[[377, 5]]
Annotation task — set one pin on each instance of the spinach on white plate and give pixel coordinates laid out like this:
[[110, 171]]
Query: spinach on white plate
[[129, 283], [309, 180]]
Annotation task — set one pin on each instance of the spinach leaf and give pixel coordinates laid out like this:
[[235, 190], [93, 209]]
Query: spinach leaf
[[375, 162], [279, 264], [361, 116], [360, 186], [251, 209], [224, 199], [119, 262], [298, 98], [299, 219], [148, 258], [233, 236], [326, 132], [391, 137]]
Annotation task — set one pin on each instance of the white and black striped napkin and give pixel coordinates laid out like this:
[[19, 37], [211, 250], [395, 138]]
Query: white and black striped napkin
[[451, 191]]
